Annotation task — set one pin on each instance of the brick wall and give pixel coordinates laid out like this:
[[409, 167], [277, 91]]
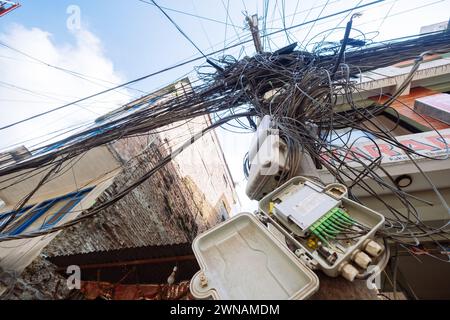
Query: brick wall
[[163, 210]]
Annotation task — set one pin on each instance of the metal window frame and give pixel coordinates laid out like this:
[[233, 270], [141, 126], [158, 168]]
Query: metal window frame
[[78, 196], [40, 209], [4, 216]]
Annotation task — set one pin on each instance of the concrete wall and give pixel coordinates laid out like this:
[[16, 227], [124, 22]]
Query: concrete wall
[[203, 162], [387, 80], [86, 168], [16, 255], [161, 210], [40, 282]]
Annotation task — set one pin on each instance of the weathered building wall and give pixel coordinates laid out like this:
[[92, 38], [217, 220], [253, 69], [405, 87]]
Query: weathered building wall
[[160, 211], [16, 255], [40, 281], [203, 163], [86, 168], [110, 291], [187, 196]]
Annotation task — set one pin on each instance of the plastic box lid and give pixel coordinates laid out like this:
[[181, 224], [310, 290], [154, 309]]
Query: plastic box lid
[[241, 259]]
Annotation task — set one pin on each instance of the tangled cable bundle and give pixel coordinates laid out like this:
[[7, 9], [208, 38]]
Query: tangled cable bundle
[[300, 90]]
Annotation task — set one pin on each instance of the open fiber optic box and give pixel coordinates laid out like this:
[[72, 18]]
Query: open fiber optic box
[[316, 227]]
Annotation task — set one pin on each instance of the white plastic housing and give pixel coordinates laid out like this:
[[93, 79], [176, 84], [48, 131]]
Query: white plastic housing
[[373, 248], [268, 156], [264, 129], [241, 259], [358, 212], [304, 206], [266, 167], [349, 272]]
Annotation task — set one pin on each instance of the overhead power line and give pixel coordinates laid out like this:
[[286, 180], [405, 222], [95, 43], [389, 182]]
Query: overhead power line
[[188, 14], [181, 64], [179, 28], [68, 71], [227, 91]]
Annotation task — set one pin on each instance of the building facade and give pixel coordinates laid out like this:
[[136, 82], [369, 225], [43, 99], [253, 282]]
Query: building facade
[[187, 196], [426, 131]]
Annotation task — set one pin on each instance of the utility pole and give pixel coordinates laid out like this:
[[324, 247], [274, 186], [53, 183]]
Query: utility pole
[[330, 288], [253, 25]]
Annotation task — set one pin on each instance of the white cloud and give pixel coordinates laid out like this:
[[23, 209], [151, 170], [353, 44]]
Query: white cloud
[[50, 88]]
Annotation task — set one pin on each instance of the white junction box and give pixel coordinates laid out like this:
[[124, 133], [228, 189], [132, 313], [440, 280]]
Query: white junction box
[[269, 255], [302, 206], [270, 162], [265, 173], [268, 159], [241, 259], [265, 129]]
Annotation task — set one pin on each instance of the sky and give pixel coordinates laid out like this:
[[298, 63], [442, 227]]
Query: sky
[[54, 52]]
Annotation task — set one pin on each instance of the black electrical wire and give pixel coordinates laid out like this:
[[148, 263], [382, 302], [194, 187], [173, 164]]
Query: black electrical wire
[[179, 29], [177, 66], [98, 209], [297, 90], [188, 14]]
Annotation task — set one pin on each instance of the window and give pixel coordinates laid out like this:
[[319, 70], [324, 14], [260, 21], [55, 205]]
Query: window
[[4, 217], [43, 215]]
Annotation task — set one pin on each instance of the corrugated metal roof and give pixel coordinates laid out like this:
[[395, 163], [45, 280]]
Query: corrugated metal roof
[[149, 264], [126, 254]]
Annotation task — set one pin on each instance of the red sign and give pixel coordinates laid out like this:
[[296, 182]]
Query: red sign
[[430, 144]]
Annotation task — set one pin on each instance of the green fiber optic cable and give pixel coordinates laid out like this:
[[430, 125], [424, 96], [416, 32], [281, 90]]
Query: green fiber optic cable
[[321, 238], [338, 224], [330, 227]]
